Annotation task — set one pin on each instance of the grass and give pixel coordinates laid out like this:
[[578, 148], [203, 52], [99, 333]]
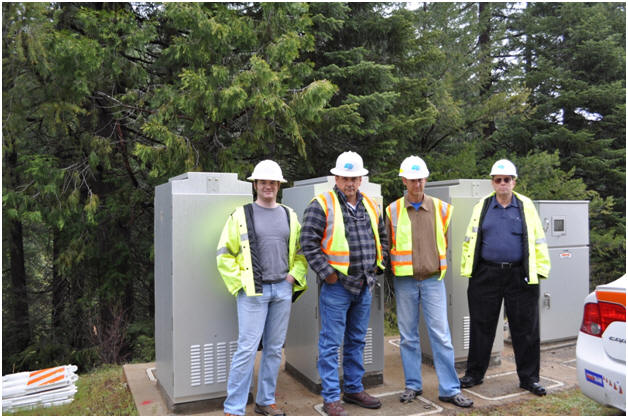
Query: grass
[[101, 392], [104, 392], [569, 402]]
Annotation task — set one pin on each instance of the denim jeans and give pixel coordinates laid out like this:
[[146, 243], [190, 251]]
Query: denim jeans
[[259, 317], [343, 316], [430, 294]]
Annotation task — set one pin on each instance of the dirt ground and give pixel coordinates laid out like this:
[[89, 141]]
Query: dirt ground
[[499, 390]]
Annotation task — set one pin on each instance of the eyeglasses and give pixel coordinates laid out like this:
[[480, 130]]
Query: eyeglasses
[[498, 180]]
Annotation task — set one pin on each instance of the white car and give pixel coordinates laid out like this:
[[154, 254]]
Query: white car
[[601, 346]]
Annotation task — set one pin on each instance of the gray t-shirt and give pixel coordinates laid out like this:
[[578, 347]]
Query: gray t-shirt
[[273, 236]]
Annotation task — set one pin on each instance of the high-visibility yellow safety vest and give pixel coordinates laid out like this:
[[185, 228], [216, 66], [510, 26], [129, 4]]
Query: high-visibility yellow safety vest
[[235, 264], [537, 263], [401, 240], [334, 243]]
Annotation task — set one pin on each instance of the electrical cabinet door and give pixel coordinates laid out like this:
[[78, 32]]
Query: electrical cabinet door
[[562, 293], [196, 325], [565, 222]]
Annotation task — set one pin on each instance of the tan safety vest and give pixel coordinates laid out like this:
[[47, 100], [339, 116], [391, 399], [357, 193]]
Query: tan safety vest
[[401, 240]]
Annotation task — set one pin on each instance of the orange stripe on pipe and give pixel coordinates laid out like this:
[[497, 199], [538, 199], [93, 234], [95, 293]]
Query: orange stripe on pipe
[[37, 379], [36, 372], [56, 379]]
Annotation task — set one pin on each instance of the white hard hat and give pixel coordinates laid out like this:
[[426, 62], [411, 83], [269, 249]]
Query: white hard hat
[[267, 170], [413, 167], [349, 164], [504, 167]]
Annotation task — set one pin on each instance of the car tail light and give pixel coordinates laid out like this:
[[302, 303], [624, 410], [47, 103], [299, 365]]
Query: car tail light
[[611, 312], [597, 316], [591, 321]]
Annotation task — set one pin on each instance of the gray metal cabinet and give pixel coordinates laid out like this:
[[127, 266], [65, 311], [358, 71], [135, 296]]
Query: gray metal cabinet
[[196, 327], [302, 339], [463, 194], [566, 226]]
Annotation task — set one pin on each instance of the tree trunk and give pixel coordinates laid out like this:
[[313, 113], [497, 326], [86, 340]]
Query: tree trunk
[[19, 297], [76, 314], [486, 65], [58, 292]]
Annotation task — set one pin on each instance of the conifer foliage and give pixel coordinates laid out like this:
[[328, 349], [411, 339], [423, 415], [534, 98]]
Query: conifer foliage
[[101, 102]]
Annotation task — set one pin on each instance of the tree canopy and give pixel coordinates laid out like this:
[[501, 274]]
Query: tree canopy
[[104, 101]]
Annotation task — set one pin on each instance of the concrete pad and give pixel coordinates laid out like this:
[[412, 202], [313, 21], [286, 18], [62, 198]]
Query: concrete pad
[[506, 385], [420, 406], [143, 385], [295, 399], [569, 363]]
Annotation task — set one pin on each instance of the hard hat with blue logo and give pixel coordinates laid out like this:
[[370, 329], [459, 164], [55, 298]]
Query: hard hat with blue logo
[[504, 168], [349, 164], [413, 168]]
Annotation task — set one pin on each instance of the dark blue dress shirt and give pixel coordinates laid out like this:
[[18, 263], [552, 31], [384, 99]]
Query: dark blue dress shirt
[[502, 233]]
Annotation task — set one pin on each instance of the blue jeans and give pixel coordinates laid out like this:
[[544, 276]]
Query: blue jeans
[[264, 316], [343, 316], [430, 293]]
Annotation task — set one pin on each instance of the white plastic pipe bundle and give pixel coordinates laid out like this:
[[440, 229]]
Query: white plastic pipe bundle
[[39, 388]]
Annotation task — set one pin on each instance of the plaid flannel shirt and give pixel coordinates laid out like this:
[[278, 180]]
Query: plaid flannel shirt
[[359, 233]]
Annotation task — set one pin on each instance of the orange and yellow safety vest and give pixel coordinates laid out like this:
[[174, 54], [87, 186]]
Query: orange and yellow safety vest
[[334, 243]]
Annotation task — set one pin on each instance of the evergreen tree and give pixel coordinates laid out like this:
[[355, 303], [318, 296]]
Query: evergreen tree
[[574, 60], [104, 101]]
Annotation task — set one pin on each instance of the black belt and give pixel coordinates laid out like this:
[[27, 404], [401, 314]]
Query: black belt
[[502, 265]]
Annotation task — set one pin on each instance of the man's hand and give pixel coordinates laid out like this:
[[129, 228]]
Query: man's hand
[[290, 279], [332, 278]]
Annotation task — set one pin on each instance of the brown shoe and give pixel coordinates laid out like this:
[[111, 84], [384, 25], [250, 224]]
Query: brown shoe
[[270, 410], [362, 399], [334, 409]]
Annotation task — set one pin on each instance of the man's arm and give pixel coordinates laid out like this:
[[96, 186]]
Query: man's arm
[[312, 230], [227, 256], [299, 268], [540, 246]]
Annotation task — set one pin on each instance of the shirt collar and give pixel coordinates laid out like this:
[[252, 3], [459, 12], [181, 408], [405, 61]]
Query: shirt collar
[[426, 205], [513, 202]]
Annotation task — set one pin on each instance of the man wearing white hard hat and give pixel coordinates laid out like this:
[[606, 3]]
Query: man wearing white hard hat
[[344, 241], [261, 263], [504, 254], [417, 225]]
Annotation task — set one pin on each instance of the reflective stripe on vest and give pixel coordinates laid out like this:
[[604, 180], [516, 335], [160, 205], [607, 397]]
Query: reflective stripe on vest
[[445, 216], [397, 257], [334, 243], [373, 213], [339, 255]]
